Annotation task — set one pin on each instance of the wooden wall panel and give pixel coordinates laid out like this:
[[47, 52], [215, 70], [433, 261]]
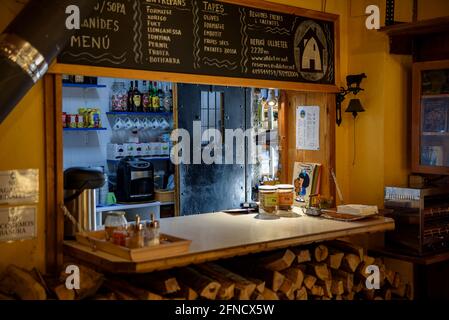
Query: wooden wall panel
[[326, 155]]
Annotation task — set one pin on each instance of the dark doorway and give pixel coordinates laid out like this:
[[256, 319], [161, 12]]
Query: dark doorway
[[209, 188]]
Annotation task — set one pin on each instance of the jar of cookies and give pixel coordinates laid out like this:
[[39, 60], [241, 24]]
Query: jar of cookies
[[286, 196], [268, 198]]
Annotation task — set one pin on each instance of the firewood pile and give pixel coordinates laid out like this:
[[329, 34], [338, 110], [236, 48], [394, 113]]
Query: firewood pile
[[335, 270]]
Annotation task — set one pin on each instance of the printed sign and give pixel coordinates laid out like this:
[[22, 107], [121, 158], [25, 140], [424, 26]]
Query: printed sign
[[308, 128], [19, 186], [18, 223]]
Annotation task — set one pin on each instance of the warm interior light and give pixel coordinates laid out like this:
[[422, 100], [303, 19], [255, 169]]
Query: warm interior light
[[272, 100]]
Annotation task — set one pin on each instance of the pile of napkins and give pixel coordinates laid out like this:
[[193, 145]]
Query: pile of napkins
[[357, 209]]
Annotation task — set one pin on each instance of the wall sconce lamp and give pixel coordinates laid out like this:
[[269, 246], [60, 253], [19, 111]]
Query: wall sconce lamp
[[353, 83]]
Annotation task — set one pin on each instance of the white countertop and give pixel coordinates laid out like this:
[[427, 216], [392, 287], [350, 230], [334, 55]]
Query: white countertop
[[222, 235]]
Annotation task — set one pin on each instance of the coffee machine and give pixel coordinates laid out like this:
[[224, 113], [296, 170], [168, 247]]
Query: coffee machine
[[135, 180]]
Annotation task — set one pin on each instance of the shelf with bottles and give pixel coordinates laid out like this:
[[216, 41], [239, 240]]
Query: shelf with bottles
[[143, 114], [150, 98]]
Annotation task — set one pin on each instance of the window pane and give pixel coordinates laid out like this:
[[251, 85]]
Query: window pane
[[204, 99]]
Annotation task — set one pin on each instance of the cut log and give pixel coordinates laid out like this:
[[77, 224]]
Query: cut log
[[337, 287], [62, 293], [397, 280], [273, 279], [320, 253], [400, 291], [327, 287], [278, 261], [409, 292], [369, 260], [349, 296], [385, 294], [19, 282], [111, 296], [288, 288], [334, 259], [302, 255], [339, 298], [126, 289], [368, 294], [5, 297], [319, 270], [269, 294], [346, 277], [90, 282], [309, 281], [361, 270], [260, 284], [186, 293], [317, 291], [350, 262], [347, 247], [358, 287], [217, 273], [378, 298], [295, 275], [160, 282], [301, 294], [202, 284], [244, 288], [257, 296], [390, 276]]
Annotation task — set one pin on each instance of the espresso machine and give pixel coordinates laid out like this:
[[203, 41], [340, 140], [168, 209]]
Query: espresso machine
[[135, 181]]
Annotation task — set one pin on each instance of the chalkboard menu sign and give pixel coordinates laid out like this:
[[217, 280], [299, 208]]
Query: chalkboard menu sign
[[204, 37]]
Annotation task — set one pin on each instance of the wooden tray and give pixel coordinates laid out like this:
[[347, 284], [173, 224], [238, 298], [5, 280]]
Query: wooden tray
[[170, 246], [333, 215]]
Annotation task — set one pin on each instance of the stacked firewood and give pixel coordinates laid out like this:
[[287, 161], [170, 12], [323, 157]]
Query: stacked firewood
[[333, 270], [336, 270]]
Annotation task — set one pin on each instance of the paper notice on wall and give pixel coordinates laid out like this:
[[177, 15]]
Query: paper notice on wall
[[19, 186], [17, 223], [308, 128]]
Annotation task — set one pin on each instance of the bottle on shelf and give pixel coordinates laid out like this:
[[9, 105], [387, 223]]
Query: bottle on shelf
[[150, 96], [161, 96], [168, 100], [130, 97], [146, 99], [155, 98], [137, 98]]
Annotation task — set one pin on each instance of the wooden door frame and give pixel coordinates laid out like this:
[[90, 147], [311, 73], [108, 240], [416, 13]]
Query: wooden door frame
[[53, 115]]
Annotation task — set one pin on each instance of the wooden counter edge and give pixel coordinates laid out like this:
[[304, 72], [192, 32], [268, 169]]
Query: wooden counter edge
[[114, 264]]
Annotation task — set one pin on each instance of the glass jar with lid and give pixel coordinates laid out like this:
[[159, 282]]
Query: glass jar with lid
[[115, 221], [268, 200], [286, 196], [119, 97]]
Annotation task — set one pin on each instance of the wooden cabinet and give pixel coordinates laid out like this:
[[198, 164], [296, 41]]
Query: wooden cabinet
[[430, 117]]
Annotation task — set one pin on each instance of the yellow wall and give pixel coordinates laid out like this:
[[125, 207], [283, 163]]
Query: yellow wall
[[22, 147], [381, 131]]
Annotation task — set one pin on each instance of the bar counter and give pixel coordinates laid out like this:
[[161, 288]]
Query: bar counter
[[221, 235]]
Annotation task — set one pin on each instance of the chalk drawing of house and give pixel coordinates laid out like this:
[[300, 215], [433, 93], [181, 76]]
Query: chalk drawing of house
[[311, 52]]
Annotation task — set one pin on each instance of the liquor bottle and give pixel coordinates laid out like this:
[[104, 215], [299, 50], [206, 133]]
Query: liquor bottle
[[137, 98], [146, 100], [161, 95], [150, 97], [130, 106], [168, 100], [155, 98]]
